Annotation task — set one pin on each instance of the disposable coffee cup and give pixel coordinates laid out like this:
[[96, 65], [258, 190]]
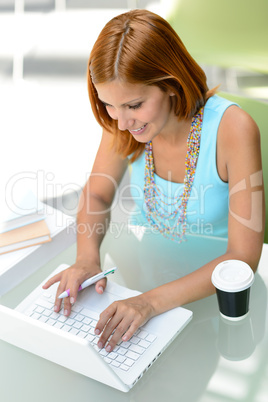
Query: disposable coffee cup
[[232, 280]]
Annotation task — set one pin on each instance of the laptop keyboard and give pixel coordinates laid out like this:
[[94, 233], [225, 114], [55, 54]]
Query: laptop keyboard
[[82, 322]]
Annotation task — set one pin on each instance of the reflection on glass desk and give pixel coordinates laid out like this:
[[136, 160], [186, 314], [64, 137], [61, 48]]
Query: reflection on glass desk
[[212, 360]]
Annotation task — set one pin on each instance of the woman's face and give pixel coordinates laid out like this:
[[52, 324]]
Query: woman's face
[[145, 111]]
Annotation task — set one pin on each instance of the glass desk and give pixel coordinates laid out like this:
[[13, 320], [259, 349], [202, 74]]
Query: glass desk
[[212, 360]]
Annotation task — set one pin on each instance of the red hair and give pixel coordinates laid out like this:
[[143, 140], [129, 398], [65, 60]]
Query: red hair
[[141, 47]]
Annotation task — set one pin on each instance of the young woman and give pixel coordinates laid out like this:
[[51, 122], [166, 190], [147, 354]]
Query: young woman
[[194, 156]]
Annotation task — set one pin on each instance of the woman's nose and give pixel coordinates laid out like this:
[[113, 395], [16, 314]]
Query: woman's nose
[[124, 122]]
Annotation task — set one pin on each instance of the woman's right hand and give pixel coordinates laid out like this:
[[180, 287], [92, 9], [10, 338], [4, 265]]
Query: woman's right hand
[[71, 278]]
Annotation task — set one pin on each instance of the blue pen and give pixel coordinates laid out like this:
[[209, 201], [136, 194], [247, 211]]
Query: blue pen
[[89, 282]]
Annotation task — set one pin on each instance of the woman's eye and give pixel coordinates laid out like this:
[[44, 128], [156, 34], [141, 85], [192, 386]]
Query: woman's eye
[[106, 104], [135, 106]]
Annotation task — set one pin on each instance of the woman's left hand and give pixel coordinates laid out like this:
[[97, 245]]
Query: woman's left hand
[[123, 318]]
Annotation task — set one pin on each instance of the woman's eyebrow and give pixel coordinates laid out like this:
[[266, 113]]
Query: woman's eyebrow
[[124, 104]]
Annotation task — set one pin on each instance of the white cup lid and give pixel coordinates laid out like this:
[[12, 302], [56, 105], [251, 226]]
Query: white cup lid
[[232, 276]]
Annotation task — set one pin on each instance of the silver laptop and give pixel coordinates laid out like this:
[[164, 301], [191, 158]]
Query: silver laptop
[[71, 342]]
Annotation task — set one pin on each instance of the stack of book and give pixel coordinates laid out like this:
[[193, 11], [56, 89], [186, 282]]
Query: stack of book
[[23, 224], [15, 267]]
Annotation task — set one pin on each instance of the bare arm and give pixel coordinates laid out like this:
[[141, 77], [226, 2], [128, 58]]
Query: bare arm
[[95, 202], [92, 222], [239, 163]]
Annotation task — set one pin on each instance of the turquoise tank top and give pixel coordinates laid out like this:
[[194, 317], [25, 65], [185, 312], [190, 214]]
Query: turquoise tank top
[[207, 209]]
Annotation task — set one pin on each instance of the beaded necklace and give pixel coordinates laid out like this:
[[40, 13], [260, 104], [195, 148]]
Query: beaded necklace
[[161, 208]]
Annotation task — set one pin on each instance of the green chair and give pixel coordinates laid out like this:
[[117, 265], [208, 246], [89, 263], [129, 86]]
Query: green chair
[[259, 112], [228, 33]]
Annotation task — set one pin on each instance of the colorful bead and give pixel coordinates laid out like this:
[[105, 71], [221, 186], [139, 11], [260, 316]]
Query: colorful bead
[[160, 207]]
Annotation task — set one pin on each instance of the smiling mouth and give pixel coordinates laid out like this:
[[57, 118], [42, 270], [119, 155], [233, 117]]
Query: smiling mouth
[[139, 129]]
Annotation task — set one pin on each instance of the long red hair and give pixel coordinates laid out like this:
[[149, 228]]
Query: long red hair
[[141, 47]]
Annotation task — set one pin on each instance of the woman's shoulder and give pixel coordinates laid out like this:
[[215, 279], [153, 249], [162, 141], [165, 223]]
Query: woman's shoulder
[[237, 121], [218, 103], [238, 129], [238, 141], [234, 121]]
